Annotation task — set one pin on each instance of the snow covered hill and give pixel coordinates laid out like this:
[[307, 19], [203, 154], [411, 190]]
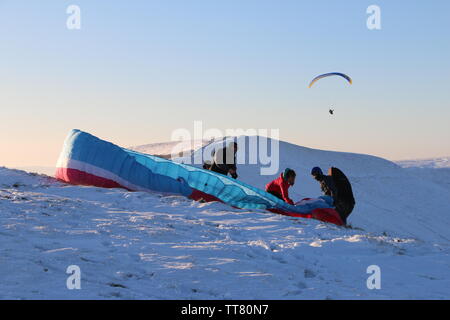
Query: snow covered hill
[[49, 171], [436, 170], [166, 149], [433, 163], [133, 245]]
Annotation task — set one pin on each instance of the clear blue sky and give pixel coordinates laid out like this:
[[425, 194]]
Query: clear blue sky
[[137, 70]]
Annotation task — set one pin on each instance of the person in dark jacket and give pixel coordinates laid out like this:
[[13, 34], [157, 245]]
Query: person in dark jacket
[[224, 160], [336, 186], [279, 187], [326, 182]]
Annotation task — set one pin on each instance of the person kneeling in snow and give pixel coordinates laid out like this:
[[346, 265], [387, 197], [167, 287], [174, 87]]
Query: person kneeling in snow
[[337, 189], [279, 187], [224, 161]]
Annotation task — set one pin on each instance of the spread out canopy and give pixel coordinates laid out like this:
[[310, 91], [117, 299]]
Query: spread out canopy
[[331, 74], [88, 160]]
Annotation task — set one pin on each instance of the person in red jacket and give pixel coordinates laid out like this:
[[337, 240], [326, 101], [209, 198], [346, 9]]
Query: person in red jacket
[[279, 187]]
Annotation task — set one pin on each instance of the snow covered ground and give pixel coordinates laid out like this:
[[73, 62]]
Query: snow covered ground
[[133, 245]]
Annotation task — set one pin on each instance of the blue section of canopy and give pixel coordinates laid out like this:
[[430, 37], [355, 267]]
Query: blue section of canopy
[[158, 174], [92, 151]]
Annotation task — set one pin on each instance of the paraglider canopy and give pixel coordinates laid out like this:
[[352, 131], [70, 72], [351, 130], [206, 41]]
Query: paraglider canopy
[[331, 74]]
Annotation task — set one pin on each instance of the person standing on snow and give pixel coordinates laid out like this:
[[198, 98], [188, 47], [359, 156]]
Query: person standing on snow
[[326, 182], [279, 187], [337, 189], [224, 160]]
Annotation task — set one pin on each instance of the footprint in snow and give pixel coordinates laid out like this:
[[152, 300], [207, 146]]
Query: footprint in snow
[[117, 285]]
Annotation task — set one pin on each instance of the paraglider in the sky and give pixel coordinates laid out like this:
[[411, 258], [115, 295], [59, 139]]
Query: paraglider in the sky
[[331, 74], [346, 77]]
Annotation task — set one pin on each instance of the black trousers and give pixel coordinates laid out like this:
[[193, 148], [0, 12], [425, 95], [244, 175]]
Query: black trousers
[[216, 168], [276, 194]]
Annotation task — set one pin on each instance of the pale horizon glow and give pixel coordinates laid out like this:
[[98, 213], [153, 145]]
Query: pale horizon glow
[[136, 72]]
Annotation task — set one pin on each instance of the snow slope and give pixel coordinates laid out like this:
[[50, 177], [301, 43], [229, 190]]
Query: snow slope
[[436, 170], [433, 163], [147, 246], [168, 148], [49, 171]]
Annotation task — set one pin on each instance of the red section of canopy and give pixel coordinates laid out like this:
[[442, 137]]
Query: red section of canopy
[[201, 196], [78, 177], [325, 215]]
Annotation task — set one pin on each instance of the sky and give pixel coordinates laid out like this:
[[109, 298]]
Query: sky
[[138, 70]]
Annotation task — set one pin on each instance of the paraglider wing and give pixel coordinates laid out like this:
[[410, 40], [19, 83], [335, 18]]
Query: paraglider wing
[[346, 77], [88, 160]]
